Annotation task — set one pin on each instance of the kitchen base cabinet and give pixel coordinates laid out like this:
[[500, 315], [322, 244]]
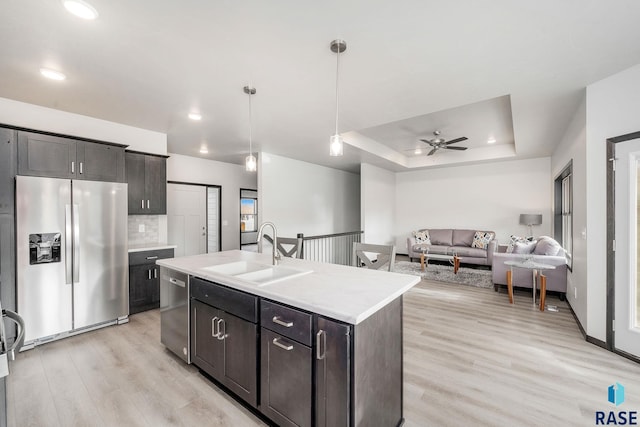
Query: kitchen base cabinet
[[333, 365], [144, 279], [223, 344], [286, 387]]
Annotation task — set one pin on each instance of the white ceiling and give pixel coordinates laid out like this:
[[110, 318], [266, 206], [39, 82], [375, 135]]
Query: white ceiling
[[410, 67]]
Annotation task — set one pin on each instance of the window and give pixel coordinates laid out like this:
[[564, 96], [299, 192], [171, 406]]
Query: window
[[563, 218], [248, 216]]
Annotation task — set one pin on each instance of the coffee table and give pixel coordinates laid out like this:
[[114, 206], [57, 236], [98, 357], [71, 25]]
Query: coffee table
[[535, 268], [452, 258]]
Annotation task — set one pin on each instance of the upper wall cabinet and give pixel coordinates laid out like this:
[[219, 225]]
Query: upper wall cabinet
[[59, 157], [147, 178], [8, 155]]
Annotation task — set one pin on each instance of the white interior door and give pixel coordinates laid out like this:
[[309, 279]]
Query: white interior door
[[187, 218], [627, 292]]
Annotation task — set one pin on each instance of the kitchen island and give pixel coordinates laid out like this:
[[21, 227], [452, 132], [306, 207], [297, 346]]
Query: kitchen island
[[304, 343]]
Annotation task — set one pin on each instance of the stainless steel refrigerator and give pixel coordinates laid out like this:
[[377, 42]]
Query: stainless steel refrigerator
[[72, 265]]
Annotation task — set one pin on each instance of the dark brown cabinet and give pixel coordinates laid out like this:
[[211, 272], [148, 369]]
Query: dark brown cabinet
[[60, 157], [146, 175], [333, 363], [224, 339], [144, 279]]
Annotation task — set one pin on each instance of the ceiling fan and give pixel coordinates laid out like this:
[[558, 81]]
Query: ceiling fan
[[437, 143]]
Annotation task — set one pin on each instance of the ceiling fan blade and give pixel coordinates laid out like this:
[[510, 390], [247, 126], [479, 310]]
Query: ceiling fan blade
[[453, 141], [432, 151], [455, 148]]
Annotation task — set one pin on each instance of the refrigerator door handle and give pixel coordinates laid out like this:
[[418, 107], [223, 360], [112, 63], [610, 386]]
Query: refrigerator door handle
[[76, 244], [67, 244]]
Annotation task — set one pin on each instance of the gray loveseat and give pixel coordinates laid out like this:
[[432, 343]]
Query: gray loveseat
[[544, 250], [448, 241]]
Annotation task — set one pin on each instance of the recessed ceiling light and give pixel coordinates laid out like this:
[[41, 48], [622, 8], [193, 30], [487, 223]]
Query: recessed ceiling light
[[204, 150], [418, 151], [195, 116], [80, 9], [491, 140], [52, 74]]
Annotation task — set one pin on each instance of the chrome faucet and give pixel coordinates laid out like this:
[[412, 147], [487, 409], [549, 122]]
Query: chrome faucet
[[275, 256]]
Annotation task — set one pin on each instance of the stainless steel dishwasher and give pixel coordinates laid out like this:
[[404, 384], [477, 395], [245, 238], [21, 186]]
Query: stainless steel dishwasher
[[174, 312]]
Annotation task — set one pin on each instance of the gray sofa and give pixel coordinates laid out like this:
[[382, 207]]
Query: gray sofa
[[556, 278], [448, 240]]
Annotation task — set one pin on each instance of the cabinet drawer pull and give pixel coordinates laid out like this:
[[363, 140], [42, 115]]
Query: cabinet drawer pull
[[320, 344], [277, 343], [152, 257], [177, 282], [222, 332], [214, 334], [277, 321]]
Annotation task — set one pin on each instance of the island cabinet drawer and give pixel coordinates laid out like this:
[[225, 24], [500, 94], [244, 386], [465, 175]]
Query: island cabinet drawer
[[289, 322], [149, 257], [238, 303]]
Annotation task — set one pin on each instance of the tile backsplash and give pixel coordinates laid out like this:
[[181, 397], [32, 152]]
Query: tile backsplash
[[151, 226]]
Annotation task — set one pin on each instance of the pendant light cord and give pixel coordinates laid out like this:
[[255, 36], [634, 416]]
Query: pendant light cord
[[250, 121], [337, 79]]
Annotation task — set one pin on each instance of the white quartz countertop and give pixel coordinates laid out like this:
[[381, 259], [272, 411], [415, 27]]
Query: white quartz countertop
[[348, 294], [150, 247]]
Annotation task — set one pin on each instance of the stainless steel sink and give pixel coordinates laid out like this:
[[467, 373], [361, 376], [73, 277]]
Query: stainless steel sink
[[256, 273]]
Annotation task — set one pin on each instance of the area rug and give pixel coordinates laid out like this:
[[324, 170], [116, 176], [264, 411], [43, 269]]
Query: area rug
[[444, 273]]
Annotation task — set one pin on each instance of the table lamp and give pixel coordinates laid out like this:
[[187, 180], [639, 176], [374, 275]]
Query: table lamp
[[530, 220]]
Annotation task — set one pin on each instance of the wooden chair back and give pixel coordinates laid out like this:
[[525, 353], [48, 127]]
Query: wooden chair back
[[384, 255], [294, 246]]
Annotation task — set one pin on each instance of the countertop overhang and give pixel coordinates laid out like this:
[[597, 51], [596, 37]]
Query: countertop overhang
[[150, 247], [344, 293]]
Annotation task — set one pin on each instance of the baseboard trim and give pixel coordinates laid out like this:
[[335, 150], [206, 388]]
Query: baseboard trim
[[596, 341], [582, 331]]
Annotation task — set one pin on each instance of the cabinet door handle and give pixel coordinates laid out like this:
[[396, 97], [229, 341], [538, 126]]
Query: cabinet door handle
[[155, 273], [214, 334], [277, 321], [222, 333], [80, 167], [142, 203], [320, 344], [277, 343], [73, 167], [149, 271], [148, 204]]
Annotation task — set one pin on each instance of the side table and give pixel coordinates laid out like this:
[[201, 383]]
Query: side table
[[535, 268]]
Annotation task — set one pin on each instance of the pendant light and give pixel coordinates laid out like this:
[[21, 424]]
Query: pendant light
[[335, 142], [250, 163]]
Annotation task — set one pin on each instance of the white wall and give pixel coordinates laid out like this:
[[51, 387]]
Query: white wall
[[231, 177], [573, 147], [488, 196], [612, 110], [301, 197], [377, 196], [49, 120]]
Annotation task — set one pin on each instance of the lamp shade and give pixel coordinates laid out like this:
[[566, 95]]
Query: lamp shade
[[530, 219]]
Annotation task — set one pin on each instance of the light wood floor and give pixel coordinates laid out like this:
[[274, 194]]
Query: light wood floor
[[470, 359]]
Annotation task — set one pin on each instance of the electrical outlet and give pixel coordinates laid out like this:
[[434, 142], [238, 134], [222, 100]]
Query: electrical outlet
[[141, 228]]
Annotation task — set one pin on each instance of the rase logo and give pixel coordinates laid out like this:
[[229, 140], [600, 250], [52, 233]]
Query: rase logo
[[615, 396]]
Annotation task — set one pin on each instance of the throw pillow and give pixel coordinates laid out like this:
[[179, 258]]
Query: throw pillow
[[547, 246], [515, 239], [524, 247], [422, 237], [481, 239]]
